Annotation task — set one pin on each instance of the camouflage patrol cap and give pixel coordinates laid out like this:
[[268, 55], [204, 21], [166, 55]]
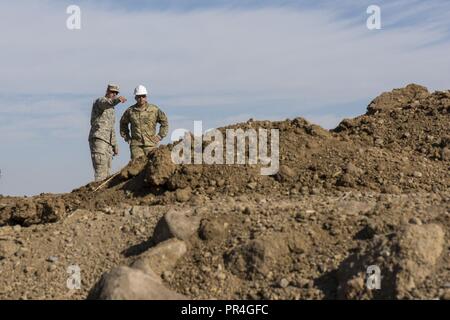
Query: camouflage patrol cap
[[113, 87]]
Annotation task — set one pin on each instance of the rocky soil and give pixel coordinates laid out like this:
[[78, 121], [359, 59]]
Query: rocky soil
[[373, 191]]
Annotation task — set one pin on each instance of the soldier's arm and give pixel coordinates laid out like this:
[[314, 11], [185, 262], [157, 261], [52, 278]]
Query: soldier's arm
[[105, 103], [124, 130], [162, 120]]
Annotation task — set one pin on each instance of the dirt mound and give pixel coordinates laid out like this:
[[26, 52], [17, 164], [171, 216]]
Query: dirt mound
[[408, 120], [397, 98], [312, 161], [373, 191], [382, 151]]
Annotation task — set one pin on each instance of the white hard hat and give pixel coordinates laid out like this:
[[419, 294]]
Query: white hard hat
[[140, 90]]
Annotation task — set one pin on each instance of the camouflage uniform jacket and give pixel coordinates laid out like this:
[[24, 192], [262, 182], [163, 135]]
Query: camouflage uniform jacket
[[143, 122], [103, 120]]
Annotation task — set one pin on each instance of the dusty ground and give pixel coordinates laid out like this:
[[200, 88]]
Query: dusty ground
[[375, 190]]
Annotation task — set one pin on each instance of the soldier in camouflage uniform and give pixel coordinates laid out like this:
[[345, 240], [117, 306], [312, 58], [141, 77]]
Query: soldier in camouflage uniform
[[102, 137], [142, 119]]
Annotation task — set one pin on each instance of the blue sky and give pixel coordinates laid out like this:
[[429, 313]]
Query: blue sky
[[216, 61]]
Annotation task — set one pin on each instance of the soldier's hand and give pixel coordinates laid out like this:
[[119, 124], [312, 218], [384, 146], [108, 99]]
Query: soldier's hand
[[122, 99], [158, 138], [116, 150]]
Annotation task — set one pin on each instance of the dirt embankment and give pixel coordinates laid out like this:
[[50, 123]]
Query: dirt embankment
[[373, 191]]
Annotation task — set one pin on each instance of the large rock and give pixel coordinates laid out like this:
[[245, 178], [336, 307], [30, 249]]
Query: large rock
[[183, 195], [125, 283], [8, 248], [405, 260], [213, 229], [420, 247], [181, 224], [162, 257]]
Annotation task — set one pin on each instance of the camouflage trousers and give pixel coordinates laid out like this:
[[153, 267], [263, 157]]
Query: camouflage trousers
[[138, 151], [101, 154]]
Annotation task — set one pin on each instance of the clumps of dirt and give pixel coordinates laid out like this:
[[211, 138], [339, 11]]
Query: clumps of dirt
[[133, 168], [373, 191], [256, 258], [28, 211], [213, 229], [161, 167], [409, 120], [312, 165], [406, 257], [382, 151], [318, 247], [397, 98]]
